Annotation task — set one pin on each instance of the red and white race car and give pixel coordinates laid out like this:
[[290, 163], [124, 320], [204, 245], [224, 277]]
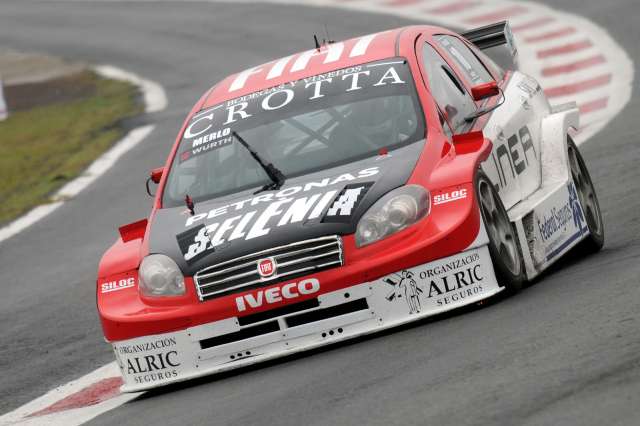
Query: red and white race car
[[340, 191]]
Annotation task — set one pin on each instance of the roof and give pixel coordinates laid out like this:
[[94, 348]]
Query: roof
[[328, 58]]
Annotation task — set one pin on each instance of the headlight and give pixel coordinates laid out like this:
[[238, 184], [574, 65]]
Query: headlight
[[395, 211], [160, 276]]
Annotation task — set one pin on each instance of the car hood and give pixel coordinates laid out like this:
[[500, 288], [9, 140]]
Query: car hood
[[329, 202]]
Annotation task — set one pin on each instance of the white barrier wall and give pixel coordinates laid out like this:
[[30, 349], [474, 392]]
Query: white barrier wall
[[4, 113]]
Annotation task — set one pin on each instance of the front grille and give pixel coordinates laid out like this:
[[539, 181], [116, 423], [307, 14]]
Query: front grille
[[292, 260]]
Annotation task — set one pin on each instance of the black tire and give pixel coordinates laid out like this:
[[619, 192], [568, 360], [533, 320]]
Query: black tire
[[503, 241], [588, 200]]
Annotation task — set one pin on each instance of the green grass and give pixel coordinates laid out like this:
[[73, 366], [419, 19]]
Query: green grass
[[44, 147]]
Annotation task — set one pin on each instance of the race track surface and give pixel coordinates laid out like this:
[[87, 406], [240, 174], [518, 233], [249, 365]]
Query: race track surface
[[566, 350]]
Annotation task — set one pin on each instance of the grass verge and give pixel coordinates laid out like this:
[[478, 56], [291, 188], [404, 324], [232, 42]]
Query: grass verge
[[44, 147]]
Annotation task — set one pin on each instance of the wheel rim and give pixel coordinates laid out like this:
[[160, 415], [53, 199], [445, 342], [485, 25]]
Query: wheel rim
[[499, 228], [586, 193]]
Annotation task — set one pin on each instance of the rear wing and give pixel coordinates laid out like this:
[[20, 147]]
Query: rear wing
[[493, 35]]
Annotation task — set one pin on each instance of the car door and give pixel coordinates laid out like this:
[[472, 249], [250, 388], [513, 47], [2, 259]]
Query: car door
[[514, 164]]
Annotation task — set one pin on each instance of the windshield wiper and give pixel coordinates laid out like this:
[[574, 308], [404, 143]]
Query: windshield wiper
[[276, 176]]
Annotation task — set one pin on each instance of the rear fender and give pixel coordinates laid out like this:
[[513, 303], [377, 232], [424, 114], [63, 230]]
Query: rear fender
[[536, 232], [555, 128]]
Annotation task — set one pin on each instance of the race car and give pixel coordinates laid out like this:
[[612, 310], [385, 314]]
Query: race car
[[340, 191]]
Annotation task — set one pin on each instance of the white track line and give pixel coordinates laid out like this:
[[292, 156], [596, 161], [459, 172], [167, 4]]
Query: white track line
[[155, 100], [618, 92]]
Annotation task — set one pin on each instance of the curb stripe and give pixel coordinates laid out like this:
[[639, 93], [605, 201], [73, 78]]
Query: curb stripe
[[567, 48], [570, 89], [574, 66], [401, 2], [497, 16], [93, 394], [453, 7], [551, 35], [102, 402], [532, 24], [592, 106]]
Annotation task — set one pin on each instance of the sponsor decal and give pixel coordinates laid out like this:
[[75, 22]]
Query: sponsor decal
[[267, 267], [331, 53], [277, 294], [346, 202], [209, 142], [470, 71], [285, 194], [150, 361], [147, 346], [404, 284], [447, 197], [561, 224], [529, 86], [194, 243], [211, 137], [443, 284], [211, 128], [115, 285], [282, 210], [511, 156]]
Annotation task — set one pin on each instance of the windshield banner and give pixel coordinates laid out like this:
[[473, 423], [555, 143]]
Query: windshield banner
[[211, 129]]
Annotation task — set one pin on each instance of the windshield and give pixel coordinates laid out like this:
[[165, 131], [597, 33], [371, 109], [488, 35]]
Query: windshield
[[300, 127]]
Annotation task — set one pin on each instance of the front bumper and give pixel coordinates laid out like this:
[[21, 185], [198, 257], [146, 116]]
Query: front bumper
[[407, 295]]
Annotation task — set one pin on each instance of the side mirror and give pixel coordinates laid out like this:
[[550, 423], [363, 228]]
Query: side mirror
[[484, 91], [154, 176]]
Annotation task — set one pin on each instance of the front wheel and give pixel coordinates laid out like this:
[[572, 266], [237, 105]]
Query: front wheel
[[503, 245], [588, 199]]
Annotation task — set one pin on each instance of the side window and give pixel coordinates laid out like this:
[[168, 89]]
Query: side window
[[452, 99], [491, 64], [475, 72]]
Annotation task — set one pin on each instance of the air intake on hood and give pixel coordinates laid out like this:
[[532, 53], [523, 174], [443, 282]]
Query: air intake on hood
[[269, 266]]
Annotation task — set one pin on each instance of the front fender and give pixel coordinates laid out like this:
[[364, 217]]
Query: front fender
[[121, 257], [460, 165]]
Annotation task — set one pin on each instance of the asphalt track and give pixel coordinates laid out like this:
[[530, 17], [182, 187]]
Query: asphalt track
[[566, 350]]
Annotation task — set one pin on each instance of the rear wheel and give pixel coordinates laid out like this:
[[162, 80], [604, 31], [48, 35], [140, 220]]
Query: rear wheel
[[588, 199], [503, 244]]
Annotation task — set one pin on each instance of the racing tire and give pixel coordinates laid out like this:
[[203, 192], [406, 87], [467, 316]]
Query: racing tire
[[503, 238], [588, 200]]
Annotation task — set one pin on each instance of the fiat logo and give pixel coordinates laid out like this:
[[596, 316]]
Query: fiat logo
[[267, 267]]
